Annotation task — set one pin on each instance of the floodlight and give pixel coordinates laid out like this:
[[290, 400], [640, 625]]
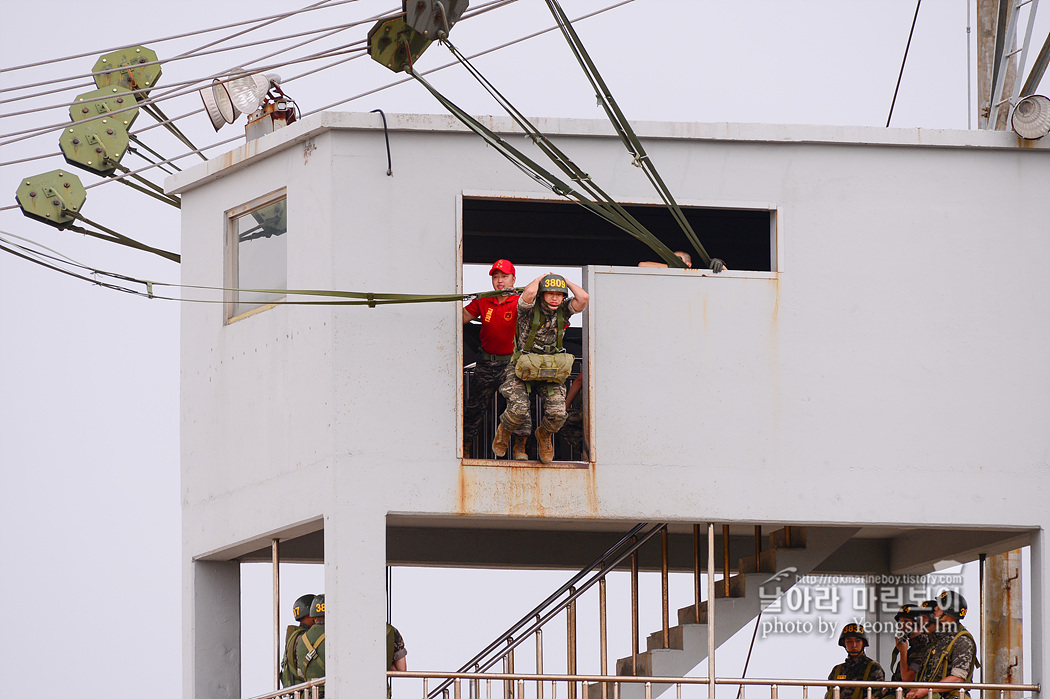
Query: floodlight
[[247, 92], [1031, 118], [218, 105]]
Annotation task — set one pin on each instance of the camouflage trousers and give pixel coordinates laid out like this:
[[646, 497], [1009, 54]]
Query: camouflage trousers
[[487, 378], [518, 414]]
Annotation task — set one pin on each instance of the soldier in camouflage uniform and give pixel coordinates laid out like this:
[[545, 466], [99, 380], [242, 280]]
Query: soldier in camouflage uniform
[[498, 316], [290, 672], [912, 643], [396, 654], [547, 302], [952, 655], [858, 665], [309, 648]]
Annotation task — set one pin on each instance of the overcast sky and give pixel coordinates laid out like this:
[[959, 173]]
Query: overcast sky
[[90, 415]]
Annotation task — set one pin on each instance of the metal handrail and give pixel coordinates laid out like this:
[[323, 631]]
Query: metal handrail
[[773, 684], [304, 690], [538, 612]]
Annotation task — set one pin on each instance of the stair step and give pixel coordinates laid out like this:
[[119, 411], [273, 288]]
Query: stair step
[[788, 538], [645, 664], [674, 639], [687, 615], [766, 562], [737, 587]]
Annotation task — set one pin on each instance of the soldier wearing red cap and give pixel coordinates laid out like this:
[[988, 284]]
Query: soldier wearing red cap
[[499, 317]]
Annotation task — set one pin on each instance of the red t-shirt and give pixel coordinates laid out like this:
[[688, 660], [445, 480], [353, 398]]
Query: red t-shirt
[[499, 316]]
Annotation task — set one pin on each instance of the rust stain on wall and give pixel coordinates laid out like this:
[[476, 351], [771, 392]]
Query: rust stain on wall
[[527, 491]]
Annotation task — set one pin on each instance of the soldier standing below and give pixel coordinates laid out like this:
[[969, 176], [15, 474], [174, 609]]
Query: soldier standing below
[[912, 643], [499, 316], [858, 665], [543, 310], [953, 652], [290, 673], [396, 655], [309, 648]]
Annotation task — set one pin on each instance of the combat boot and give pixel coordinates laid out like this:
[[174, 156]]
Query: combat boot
[[501, 441], [544, 445], [518, 449]]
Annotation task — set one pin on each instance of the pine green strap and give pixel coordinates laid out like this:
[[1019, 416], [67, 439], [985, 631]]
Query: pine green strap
[[293, 660], [623, 127], [607, 208], [313, 654], [948, 651], [561, 327], [867, 674], [536, 326]]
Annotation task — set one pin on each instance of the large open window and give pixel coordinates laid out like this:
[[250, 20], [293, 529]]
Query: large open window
[[256, 254], [557, 236]]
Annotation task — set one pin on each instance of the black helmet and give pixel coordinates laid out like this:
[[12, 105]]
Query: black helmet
[[853, 631], [909, 610], [554, 282], [953, 603], [317, 607], [301, 607]]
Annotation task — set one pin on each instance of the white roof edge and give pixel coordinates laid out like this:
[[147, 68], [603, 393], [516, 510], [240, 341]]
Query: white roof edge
[[315, 124]]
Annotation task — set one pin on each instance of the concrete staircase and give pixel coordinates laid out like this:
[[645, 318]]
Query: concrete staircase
[[794, 552]]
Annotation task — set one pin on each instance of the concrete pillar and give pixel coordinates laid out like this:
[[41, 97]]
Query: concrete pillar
[[212, 647], [355, 597], [1040, 619], [1002, 615]]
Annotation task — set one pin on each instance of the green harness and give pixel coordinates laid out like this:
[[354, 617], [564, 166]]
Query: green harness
[[312, 655], [840, 672], [940, 668], [531, 367]]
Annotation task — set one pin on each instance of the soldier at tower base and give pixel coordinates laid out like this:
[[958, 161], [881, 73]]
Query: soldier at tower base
[[309, 648], [857, 667], [396, 655], [952, 655], [290, 672], [911, 643]]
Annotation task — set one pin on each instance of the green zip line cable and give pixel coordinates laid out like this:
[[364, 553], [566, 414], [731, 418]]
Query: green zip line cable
[[605, 210], [338, 298], [114, 237], [622, 126], [616, 213]]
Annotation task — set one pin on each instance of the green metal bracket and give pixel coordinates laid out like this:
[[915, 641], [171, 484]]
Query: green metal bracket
[[136, 76], [394, 44], [55, 197], [433, 18], [104, 101], [96, 146], [273, 219]]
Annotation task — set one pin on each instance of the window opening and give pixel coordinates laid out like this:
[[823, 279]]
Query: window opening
[[540, 236], [256, 254], [542, 232], [570, 441]]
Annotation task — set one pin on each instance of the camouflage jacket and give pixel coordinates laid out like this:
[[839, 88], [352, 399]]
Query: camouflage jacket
[[952, 652], [547, 333], [855, 669]]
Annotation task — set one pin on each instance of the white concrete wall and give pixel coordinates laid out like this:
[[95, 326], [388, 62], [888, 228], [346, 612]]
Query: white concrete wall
[[902, 340]]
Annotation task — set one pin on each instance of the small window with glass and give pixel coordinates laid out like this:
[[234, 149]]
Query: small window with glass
[[256, 255]]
